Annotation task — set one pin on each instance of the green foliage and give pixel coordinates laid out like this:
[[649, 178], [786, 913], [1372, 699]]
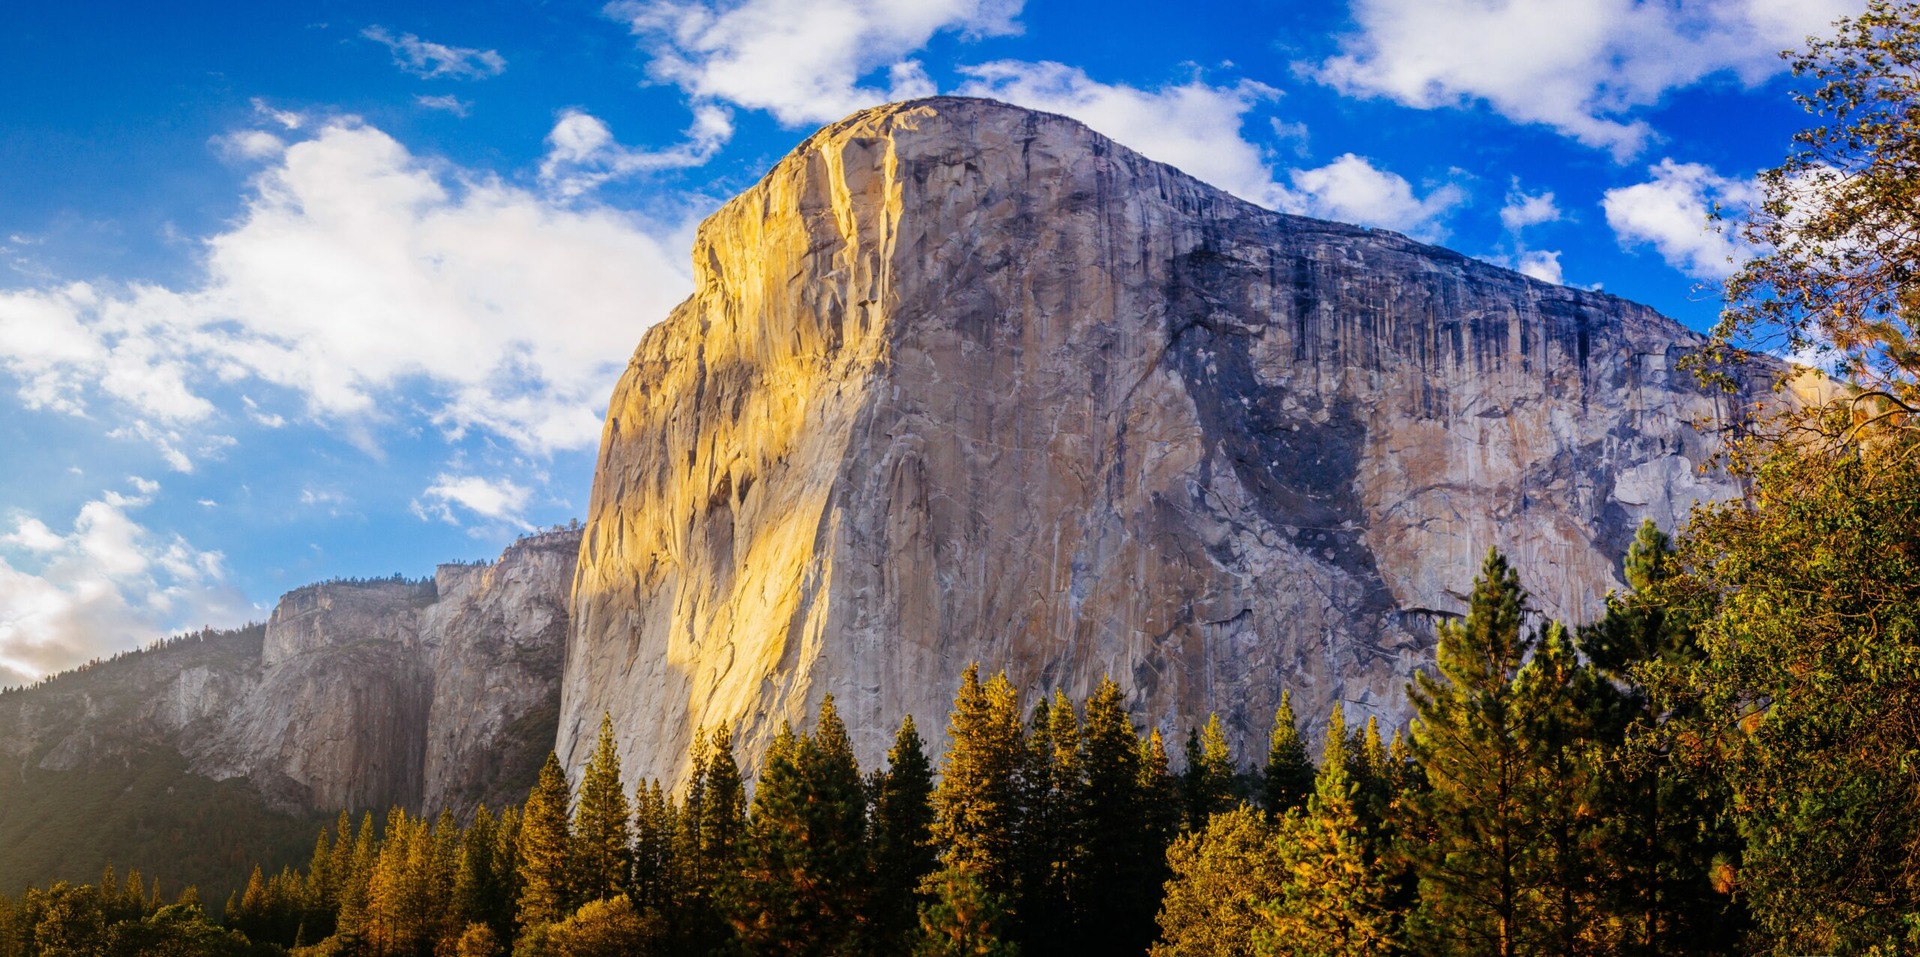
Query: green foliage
[[1223, 878], [962, 918], [544, 845], [979, 801], [1288, 778], [1207, 784], [602, 854], [901, 841]]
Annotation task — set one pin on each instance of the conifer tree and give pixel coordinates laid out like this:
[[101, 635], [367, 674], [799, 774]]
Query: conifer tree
[[1122, 867], [962, 918], [1289, 773], [1660, 810], [1159, 793], [1482, 835], [1207, 784], [543, 849], [654, 864], [602, 842], [978, 802], [901, 841], [479, 890], [354, 875], [1333, 902]]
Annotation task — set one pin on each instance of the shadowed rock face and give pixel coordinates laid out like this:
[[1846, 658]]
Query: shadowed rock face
[[424, 694], [963, 382]]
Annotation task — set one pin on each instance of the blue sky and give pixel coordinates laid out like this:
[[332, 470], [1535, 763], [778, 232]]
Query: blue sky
[[293, 291]]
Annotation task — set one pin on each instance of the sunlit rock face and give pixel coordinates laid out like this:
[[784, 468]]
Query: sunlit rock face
[[963, 382]]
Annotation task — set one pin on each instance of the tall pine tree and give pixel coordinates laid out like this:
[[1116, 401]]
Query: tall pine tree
[[1288, 779], [602, 856], [545, 874]]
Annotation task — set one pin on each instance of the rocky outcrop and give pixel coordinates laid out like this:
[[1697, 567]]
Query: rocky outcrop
[[963, 382], [429, 694]]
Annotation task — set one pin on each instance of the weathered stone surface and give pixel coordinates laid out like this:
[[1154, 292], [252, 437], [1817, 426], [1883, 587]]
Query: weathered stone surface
[[424, 694], [963, 382]]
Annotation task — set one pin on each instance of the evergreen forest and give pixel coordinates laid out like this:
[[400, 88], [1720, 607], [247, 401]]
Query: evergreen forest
[[1725, 760]]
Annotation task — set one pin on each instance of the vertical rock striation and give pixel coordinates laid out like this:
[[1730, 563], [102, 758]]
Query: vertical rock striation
[[964, 382]]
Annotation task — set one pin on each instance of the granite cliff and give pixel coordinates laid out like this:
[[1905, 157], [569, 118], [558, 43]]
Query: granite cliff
[[426, 694], [964, 382]]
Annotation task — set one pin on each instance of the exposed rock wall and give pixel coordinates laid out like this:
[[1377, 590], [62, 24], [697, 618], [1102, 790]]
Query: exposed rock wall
[[424, 694], [963, 382]]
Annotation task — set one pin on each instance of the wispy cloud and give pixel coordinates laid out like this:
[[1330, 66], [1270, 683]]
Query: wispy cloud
[[491, 499], [106, 584], [449, 103], [582, 153], [802, 60], [431, 60]]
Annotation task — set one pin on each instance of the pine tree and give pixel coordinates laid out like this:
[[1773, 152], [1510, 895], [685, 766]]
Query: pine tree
[[479, 889], [1123, 868], [1207, 784], [602, 843], [1159, 792], [355, 871], [1659, 808], [1289, 774], [1333, 902], [654, 864], [1482, 834], [543, 852], [901, 841], [962, 918], [978, 804]]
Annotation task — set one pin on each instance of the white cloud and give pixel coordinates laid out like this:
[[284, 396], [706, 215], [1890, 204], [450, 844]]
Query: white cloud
[[1352, 190], [499, 500], [1523, 210], [582, 153], [288, 119], [1581, 67], [449, 103], [358, 271], [802, 60], [427, 59], [1670, 211], [1193, 126], [1541, 264], [1198, 128], [107, 585]]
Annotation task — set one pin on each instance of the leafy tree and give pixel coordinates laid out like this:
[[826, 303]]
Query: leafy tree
[[1223, 878], [544, 872], [1207, 784], [609, 927], [1838, 226], [1809, 684], [602, 842], [901, 840], [1289, 773]]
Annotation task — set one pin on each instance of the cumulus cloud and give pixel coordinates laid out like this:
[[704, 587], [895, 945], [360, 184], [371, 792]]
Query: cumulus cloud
[[499, 500], [428, 59], [1541, 264], [1352, 190], [582, 153], [1670, 212], [1198, 127], [1523, 210], [107, 584], [358, 272], [1581, 67], [802, 60]]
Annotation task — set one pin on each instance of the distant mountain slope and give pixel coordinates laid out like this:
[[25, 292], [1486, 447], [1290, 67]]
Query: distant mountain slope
[[211, 751]]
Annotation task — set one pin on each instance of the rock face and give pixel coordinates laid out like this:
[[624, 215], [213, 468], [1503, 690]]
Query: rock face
[[427, 694], [963, 382]]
